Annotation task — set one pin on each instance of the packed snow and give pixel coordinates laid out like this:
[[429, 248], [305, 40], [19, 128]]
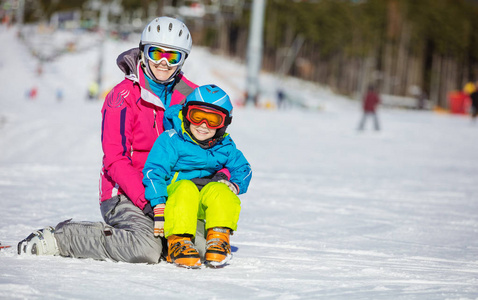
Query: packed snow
[[331, 213]]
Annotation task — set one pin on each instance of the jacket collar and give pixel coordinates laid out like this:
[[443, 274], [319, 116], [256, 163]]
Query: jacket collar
[[146, 92], [130, 64]]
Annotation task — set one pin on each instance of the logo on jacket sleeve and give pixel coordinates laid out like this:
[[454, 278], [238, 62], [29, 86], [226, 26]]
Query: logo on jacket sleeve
[[171, 132], [116, 100]]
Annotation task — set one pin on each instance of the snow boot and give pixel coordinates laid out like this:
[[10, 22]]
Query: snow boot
[[181, 251], [218, 249], [40, 242]]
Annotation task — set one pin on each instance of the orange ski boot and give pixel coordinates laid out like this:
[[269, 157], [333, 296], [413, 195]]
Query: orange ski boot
[[218, 249], [181, 251]]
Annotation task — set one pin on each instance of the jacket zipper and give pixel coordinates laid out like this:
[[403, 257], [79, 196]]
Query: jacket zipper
[[154, 124], [154, 111]]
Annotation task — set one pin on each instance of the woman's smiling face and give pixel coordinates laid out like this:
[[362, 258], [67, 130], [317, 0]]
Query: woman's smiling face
[[161, 71]]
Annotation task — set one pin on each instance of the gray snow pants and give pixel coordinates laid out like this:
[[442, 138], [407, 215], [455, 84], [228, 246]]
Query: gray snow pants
[[365, 116], [126, 236]]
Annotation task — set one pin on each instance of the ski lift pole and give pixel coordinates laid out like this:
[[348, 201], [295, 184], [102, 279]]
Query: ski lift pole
[[103, 24], [254, 51], [20, 15]]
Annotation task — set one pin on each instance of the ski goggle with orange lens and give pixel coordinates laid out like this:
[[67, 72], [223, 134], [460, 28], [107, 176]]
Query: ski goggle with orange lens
[[157, 54], [197, 115]]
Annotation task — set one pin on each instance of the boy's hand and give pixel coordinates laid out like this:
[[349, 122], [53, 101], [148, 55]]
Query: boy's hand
[[159, 220], [233, 187]]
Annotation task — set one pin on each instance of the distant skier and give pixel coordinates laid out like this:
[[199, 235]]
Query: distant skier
[[59, 94], [369, 105], [197, 145], [93, 90], [132, 120], [32, 93], [280, 98], [474, 103]]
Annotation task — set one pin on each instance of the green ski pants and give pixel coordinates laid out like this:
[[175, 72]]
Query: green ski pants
[[215, 203]]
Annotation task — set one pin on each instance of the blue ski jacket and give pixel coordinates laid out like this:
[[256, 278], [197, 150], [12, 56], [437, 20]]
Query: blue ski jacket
[[176, 156]]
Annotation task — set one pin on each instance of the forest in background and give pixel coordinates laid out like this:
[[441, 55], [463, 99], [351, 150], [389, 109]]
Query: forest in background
[[401, 46]]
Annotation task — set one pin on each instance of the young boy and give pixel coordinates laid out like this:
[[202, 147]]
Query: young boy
[[196, 167]]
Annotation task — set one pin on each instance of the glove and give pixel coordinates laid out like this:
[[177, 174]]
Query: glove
[[159, 220], [201, 182], [148, 210], [219, 176], [232, 186]]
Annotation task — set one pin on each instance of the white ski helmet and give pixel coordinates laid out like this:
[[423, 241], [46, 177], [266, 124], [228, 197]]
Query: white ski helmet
[[167, 32]]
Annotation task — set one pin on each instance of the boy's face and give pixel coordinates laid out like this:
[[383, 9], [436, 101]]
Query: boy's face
[[202, 132]]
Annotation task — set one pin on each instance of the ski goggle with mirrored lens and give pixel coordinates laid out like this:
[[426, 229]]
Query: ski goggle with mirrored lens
[[197, 115], [157, 54]]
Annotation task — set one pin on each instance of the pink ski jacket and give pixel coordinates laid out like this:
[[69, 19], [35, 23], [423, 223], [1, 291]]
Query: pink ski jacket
[[132, 119]]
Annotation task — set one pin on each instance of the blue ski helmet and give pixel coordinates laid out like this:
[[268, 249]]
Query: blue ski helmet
[[212, 96]]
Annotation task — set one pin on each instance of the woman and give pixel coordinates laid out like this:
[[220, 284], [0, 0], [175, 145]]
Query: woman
[[132, 119]]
